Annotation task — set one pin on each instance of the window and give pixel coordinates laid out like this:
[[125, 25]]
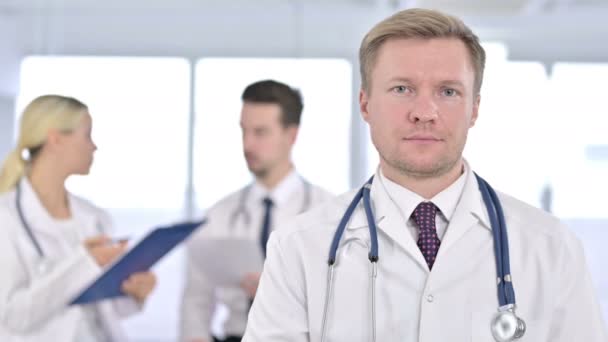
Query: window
[[509, 137], [578, 117], [578, 111]]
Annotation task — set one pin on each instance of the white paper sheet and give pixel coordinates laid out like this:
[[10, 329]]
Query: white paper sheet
[[227, 261]]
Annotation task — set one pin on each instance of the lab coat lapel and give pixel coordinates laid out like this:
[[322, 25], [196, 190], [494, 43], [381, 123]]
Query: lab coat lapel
[[41, 222], [394, 224], [35, 215], [469, 211]]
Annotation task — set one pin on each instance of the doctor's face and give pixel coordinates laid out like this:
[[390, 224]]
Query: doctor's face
[[78, 148], [267, 142], [420, 105]]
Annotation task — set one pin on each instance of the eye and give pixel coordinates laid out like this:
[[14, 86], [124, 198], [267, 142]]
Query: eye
[[449, 92], [401, 89], [260, 132]]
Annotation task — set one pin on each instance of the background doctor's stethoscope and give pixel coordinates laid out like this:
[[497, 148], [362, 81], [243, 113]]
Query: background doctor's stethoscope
[[44, 264], [241, 209]]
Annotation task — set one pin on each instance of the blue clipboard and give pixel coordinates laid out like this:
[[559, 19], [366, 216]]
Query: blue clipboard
[[138, 259]]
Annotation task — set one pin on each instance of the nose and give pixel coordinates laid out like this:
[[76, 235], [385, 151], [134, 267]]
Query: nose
[[425, 109]]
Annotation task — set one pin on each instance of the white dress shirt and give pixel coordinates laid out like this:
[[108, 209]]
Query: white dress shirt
[[238, 216], [407, 200], [454, 302]]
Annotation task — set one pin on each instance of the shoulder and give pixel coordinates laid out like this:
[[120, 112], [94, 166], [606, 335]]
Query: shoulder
[[8, 208], [220, 215], [228, 202], [317, 195], [320, 193], [532, 220], [321, 220], [10, 225], [305, 242], [538, 230], [7, 199]]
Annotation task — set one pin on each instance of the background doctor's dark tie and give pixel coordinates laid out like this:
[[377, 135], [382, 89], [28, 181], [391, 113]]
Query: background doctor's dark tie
[[266, 224], [428, 241]]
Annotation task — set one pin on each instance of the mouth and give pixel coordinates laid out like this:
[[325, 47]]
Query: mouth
[[422, 138]]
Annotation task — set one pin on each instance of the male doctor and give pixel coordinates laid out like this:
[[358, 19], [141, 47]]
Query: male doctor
[[421, 74], [270, 121]]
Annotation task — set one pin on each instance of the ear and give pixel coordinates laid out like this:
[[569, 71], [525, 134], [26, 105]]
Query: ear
[[475, 112], [53, 138], [292, 133], [363, 102]]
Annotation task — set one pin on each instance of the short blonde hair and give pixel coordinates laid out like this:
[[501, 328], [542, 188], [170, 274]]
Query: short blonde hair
[[41, 115], [419, 23]]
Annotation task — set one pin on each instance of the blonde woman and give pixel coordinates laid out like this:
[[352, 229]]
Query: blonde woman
[[54, 243]]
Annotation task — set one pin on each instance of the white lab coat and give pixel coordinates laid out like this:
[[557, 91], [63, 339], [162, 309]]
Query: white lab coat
[[34, 304], [226, 221], [454, 302]]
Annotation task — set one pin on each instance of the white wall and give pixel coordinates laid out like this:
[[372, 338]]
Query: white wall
[[281, 29], [6, 124], [10, 57]]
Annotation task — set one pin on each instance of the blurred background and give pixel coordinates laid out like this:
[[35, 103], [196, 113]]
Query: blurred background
[[163, 81]]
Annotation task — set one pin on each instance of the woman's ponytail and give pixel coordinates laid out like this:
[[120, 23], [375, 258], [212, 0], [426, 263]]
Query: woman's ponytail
[[12, 170]]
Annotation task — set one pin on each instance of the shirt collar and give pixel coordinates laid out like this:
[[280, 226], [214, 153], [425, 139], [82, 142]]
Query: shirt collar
[[281, 192], [470, 201], [448, 199], [407, 200]]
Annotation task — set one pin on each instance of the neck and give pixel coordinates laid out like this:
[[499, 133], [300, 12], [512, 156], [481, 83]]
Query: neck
[[276, 175], [49, 186], [426, 187]]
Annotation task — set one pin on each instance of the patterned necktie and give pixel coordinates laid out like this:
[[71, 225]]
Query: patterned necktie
[[266, 224], [428, 241]]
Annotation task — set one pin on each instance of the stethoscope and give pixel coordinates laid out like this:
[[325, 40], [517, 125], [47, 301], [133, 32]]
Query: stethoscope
[[44, 265], [505, 326], [241, 209]]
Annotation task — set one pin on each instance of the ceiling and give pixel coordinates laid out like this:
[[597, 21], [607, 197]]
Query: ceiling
[[461, 7]]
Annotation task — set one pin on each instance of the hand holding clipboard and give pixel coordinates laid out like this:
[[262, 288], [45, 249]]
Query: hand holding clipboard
[[141, 257]]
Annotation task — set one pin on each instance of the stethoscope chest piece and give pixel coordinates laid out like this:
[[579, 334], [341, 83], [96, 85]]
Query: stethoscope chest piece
[[506, 326]]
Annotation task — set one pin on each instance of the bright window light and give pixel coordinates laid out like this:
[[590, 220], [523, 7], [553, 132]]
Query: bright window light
[[578, 115], [510, 138], [140, 110]]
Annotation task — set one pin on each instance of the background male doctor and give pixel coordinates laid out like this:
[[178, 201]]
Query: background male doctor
[[421, 76], [270, 121]]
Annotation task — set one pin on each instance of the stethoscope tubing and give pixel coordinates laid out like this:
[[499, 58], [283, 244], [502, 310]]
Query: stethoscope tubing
[[506, 292]]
